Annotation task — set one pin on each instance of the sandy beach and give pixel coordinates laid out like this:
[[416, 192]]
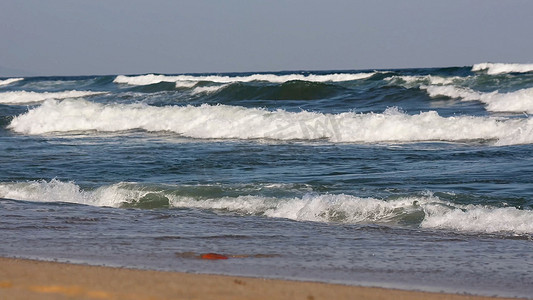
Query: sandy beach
[[30, 279]]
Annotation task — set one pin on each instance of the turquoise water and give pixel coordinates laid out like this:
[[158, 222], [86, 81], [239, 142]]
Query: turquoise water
[[412, 178]]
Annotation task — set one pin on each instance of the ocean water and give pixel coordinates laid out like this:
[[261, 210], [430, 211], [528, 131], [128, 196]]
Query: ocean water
[[412, 178]]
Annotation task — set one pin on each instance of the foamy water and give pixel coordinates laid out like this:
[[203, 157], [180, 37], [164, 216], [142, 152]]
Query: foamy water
[[501, 68], [519, 101], [411, 81], [24, 97], [9, 81], [233, 122], [207, 89], [327, 208], [184, 79]]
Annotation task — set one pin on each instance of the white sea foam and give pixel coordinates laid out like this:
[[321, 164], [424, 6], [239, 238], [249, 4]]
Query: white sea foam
[[235, 122], [412, 81], [185, 84], [452, 92], [437, 214], [518, 101], [10, 81], [182, 80], [501, 68], [311, 207], [58, 191], [207, 89], [478, 218], [24, 97]]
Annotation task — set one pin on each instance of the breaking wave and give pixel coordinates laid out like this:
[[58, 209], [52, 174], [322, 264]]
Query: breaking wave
[[24, 97], [518, 101], [425, 211], [208, 89], [501, 68], [292, 90], [414, 81], [231, 92], [190, 80], [235, 122], [10, 81]]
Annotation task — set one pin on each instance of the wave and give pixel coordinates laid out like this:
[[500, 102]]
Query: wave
[[208, 89], [10, 81], [425, 211], [229, 92], [413, 81], [501, 68], [235, 122], [190, 80], [291, 90], [24, 97], [518, 101]]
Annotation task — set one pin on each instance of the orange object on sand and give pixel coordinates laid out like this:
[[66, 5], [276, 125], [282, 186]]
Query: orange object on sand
[[213, 256]]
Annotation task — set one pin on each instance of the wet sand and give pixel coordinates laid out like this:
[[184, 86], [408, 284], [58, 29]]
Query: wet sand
[[30, 279]]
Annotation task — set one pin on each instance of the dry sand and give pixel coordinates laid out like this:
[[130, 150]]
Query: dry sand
[[29, 279]]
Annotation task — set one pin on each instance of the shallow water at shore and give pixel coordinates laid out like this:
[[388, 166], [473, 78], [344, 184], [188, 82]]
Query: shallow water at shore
[[173, 239]]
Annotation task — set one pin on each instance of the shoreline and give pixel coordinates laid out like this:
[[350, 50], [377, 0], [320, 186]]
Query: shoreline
[[34, 279]]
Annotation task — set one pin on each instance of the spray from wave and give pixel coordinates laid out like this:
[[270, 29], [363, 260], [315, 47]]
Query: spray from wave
[[426, 211]]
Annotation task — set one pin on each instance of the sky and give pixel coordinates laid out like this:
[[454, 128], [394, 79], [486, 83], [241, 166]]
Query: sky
[[99, 37]]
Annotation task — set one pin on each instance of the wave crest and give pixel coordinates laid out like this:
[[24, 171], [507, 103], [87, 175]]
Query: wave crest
[[235, 122], [190, 80], [24, 97], [426, 211], [414, 81], [502, 68], [10, 81], [291, 90], [518, 101]]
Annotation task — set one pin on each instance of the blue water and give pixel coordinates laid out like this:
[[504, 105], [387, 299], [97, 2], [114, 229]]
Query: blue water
[[415, 178]]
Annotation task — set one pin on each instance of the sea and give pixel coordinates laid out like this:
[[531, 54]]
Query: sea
[[418, 179]]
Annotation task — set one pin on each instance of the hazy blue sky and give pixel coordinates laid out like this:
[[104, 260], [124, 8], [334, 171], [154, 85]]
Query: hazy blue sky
[[72, 37]]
